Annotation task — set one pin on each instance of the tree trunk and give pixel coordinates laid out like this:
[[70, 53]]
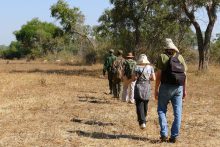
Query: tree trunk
[[203, 42], [201, 59], [137, 39]]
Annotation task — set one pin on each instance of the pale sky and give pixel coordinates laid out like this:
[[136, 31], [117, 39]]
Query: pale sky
[[15, 13]]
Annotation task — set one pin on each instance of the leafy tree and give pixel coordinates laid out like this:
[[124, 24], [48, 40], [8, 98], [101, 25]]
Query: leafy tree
[[37, 37], [141, 26], [71, 20], [13, 51], [3, 47], [215, 50], [188, 8]]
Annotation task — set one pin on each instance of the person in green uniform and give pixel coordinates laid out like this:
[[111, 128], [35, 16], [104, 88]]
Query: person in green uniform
[[107, 67]]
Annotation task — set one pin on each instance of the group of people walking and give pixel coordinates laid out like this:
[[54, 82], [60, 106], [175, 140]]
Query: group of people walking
[[135, 77]]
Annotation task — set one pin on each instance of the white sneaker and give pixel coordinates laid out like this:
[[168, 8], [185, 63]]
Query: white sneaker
[[143, 126], [131, 101]]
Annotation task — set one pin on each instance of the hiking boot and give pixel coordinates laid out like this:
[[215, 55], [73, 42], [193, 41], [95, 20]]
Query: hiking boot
[[163, 139], [142, 126], [172, 140]]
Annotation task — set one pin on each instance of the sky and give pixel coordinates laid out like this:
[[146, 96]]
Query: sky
[[15, 13]]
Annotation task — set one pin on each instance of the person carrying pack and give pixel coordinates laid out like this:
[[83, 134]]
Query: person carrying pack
[[174, 72], [118, 70], [108, 67], [170, 87], [128, 83], [144, 74]]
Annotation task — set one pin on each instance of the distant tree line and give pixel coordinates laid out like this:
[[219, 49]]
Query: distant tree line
[[130, 25], [38, 39]]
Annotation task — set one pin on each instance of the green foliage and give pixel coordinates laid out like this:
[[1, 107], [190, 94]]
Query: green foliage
[[13, 51], [215, 51], [142, 26], [69, 17], [75, 32], [37, 37], [3, 47]]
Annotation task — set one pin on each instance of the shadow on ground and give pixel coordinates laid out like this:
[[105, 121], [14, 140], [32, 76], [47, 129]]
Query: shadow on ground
[[91, 99], [91, 122], [81, 72], [100, 135]]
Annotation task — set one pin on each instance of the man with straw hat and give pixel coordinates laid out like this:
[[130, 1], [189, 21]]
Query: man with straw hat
[[128, 83], [144, 73], [170, 86]]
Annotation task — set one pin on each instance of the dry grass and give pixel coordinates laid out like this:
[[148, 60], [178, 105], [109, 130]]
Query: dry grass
[[61, 105]]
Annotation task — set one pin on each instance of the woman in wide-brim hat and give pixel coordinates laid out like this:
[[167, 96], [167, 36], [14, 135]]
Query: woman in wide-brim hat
[[143, 60], [144, 74]]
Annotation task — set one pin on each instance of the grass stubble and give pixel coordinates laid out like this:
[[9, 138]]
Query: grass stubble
[[44, 104]]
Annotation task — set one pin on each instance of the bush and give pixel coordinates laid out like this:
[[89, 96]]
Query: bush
[[215, 52], [10, 53], [91, 58]]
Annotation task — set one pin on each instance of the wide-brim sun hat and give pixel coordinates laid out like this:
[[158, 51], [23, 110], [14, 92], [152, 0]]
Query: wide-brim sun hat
[[120, 51], [130, 55], [170, 45], [111, 51], [143, 59]]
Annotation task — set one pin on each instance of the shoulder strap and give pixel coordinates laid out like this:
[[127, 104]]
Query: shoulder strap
[[141, 72], [177, 55]]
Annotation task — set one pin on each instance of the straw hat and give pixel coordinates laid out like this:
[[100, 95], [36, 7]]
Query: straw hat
[[111, 51], [143, 59], [119, 52], [130, 55], [170, 45]]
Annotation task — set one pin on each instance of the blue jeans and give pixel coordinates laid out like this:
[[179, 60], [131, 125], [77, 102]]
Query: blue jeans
[[174, 94]]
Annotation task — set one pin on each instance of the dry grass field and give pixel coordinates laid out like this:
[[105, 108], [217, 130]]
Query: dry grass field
[[44, 104]]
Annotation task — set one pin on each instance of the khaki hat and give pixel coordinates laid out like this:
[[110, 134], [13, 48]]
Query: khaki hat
[[143, 59], [111, 51], [120, 51], [130, 55], [170, 45]]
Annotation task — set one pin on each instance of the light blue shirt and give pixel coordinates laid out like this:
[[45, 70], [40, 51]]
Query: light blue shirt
[[148, 71]]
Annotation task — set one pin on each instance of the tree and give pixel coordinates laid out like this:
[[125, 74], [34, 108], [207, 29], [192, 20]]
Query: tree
[[36, 36], [188, 9], [71, 20], [141, 26], [124, 22], [215, 50]]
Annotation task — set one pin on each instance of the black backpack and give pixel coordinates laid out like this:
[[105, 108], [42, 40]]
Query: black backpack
[[174, 73]]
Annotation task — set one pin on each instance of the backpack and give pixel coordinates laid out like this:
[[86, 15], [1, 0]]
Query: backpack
[[110, 61], [118, 69], [174, 73], [129, 68]]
